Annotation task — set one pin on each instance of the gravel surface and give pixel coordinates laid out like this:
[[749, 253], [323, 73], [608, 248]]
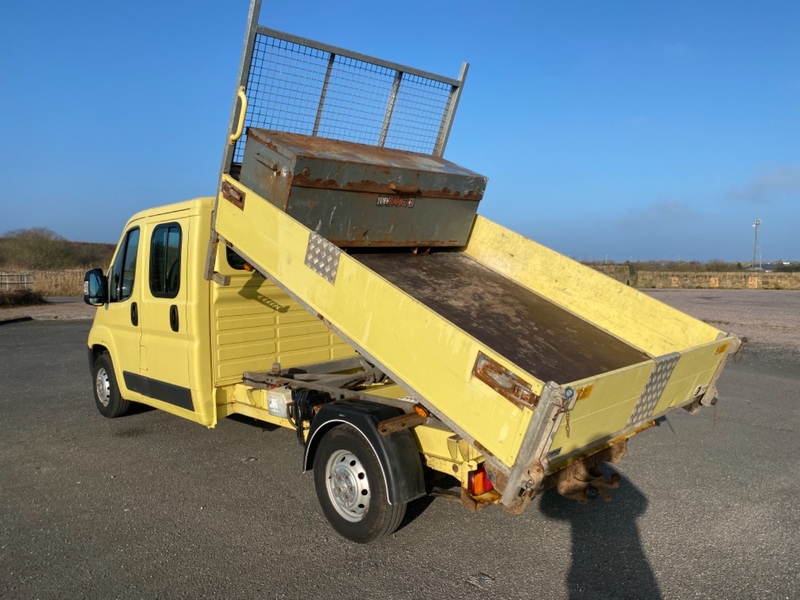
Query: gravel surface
[[54, 308], [766, 317], [769, 318], [153, 506]]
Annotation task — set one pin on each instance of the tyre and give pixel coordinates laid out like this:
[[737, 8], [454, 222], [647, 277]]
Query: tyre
[[106, 391], [351, 489]]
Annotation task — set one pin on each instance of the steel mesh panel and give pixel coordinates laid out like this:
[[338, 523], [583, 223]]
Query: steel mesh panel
[[356, 101], [297, 88], [418, 112]]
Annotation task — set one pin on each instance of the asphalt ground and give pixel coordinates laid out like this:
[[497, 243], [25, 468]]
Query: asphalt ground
[[152, 506]]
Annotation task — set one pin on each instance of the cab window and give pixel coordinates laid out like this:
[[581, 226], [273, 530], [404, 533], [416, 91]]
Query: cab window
[[123, 271], [234, 260], [165, 261]]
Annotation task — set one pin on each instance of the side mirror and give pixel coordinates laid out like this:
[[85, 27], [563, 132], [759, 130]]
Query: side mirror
[[95, 287]]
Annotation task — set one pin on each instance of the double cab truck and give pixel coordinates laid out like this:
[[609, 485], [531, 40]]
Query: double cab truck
[[342, 285]]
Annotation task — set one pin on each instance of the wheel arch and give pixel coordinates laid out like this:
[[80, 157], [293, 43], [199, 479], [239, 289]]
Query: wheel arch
[[93, 352], [101, 341], [397, 453]]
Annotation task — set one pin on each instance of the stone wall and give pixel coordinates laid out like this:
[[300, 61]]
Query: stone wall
[[753, 280], [621, 273]]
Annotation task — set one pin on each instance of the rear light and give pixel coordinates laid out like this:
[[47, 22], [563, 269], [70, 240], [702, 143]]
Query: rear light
[[479, 482]]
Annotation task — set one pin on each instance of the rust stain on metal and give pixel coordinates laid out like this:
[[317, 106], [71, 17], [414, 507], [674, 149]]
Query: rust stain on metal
[[290, 146], [406, 421], [498, 478], [389, 243], [723, 348], [574, 478], [233, 195], [259, 135], [479, 447], [574, 481], [536, 473], [324, 147], [475, 503], [584, 392], [303, 180], [509, 385], [411, 190], [611, 451]]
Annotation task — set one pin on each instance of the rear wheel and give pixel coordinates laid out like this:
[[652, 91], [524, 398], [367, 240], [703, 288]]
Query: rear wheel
[[106, 391], [350, 487]]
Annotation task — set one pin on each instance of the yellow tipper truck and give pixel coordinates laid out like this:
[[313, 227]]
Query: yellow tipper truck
[[341, 284]]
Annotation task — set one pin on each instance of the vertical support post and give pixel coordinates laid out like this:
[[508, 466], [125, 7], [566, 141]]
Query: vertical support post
[[244, 73], [387, 117], [450, 112], [535, 444], [229, 149], [323, 94]]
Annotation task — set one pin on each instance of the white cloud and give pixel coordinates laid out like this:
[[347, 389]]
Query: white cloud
[[771, 183], [661, 212]]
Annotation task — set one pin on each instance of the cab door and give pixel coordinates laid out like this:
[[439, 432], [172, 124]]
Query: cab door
[[164, 352], [117, 323]]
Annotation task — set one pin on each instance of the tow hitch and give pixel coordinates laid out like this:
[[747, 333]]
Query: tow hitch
[[585, 479]]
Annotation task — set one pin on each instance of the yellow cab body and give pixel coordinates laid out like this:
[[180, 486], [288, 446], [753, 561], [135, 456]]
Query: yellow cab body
[[180, 343]]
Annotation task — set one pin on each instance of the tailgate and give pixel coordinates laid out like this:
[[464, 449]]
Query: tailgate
[[616, 405], [581, 419]]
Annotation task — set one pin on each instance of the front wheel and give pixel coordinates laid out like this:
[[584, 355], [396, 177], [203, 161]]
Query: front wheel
[[106, 391], [350, 487]]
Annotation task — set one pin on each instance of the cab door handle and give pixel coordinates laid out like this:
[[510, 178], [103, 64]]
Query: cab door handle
[[134, 314], [173, 318]]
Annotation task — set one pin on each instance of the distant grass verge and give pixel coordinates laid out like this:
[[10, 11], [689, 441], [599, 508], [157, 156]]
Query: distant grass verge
[[67, 282], [20, 298]]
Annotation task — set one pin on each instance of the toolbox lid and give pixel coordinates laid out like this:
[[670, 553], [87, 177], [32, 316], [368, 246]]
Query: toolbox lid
[[318, 162]]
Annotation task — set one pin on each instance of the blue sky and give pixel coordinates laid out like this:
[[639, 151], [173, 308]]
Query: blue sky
[[608, 130]]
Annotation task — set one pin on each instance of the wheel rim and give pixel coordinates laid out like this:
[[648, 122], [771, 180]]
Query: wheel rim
[[102, 386], [348, 485]]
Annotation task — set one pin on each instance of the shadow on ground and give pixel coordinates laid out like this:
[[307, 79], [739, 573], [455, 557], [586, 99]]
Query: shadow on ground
[[607, 557]]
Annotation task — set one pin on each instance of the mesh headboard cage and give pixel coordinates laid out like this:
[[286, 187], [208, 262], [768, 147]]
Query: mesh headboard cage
[[300, 86]]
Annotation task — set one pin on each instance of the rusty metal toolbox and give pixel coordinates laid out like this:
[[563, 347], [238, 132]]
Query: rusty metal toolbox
[[361, 195]]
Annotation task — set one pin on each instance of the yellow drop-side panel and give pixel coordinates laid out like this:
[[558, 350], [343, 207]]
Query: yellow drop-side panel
[[435, 362], [694, 371], [605, 403], [256, 324], [604, 410], [624, 312]]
